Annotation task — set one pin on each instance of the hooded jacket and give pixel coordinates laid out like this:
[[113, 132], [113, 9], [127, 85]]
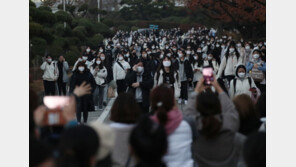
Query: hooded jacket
[[51, 71], [242, 84]]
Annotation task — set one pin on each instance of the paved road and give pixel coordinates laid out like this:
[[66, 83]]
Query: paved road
[[103, 116]]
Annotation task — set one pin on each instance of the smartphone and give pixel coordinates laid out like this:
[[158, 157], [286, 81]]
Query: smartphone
[[208, 75], [55, 104]]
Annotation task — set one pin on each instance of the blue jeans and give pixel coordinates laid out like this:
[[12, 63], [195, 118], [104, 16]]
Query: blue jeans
[[99, 95]]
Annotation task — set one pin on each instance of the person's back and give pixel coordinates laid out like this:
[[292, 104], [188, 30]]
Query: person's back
[[179, 147], [218, 144], [178, 131], [124, 114]]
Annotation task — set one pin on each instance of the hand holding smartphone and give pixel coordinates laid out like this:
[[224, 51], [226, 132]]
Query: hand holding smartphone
[[53, 115], [208, 75]]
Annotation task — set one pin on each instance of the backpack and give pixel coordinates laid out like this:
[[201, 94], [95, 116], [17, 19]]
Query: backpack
[[234, 83]]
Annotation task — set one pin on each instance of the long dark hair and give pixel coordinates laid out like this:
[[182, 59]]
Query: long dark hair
[[148, 141], [199, 60], [100, 65], [232, 44], [77, 145], [171, 73], [162, 101], [208, 104]]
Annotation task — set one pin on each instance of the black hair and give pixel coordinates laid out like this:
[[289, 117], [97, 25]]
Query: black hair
[[77, 145], [172, 70], [148, 141], [238, 67], [39, 152], [209, 106], [232, 43], [100, 65], [255, 150], [261, 105]]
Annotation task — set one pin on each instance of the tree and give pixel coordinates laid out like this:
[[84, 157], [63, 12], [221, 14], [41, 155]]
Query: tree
[[239, 13]]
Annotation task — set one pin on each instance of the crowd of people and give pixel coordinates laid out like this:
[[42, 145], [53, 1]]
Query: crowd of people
[[153, 72]]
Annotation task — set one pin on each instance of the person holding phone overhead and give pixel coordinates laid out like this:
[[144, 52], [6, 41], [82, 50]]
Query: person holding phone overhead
[[50, 75], [84, 103]]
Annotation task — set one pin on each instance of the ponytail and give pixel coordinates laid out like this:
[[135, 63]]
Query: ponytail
[[161, 114]]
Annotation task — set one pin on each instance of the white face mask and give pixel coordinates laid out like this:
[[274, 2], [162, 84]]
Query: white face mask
[[198, 51], [217, 45], [84, 57], [126, 55], [102, 58], [222, 46], [241, 74], [167, 47], [144, 55], [195, 57], [161, 56], [87, 50], [153, 47], [204, 56], [98, 62], [174, 49], [149, 52], [101, 50], [247, 47], [188, 52], [210, 58], [169, 55], [231, 50], [81, 68], [166, 63], [238, 45], [120, 58], [140, 69], [180, 55], [49, 60], [256, 56]]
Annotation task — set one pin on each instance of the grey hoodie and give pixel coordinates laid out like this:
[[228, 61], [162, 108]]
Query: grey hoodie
[[224, 150]]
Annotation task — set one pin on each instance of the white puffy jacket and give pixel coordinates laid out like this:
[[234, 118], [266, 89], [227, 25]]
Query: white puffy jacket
[[51, 71], [99, 75], [177, 84], [197, 75], [229, 66], [118, 72]]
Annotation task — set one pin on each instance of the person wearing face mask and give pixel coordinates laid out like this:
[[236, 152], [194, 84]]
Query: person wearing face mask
[[88, 53], [257, 70], [197, 66], [186, 75], [140, 82], [147, 61], [63, 75], [211, 61], [217, 52], [120, 69], [229, 62], [83, 59], [84, 103], [248, 51], [99, 72], [50, 75], [242, 83], [166, 73]]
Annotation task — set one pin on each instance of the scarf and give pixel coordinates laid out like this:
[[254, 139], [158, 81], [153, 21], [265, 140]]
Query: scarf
[[174, 118]]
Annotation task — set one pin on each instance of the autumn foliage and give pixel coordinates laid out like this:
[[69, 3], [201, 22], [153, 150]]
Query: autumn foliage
[[232, 11]]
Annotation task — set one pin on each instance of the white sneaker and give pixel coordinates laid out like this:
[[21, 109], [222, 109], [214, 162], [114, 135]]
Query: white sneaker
[[179, 101], [185, 102], [96, 108]]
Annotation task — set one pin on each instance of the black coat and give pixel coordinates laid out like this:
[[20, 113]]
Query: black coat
[[188, 69], [146, 85], [84, 103]]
